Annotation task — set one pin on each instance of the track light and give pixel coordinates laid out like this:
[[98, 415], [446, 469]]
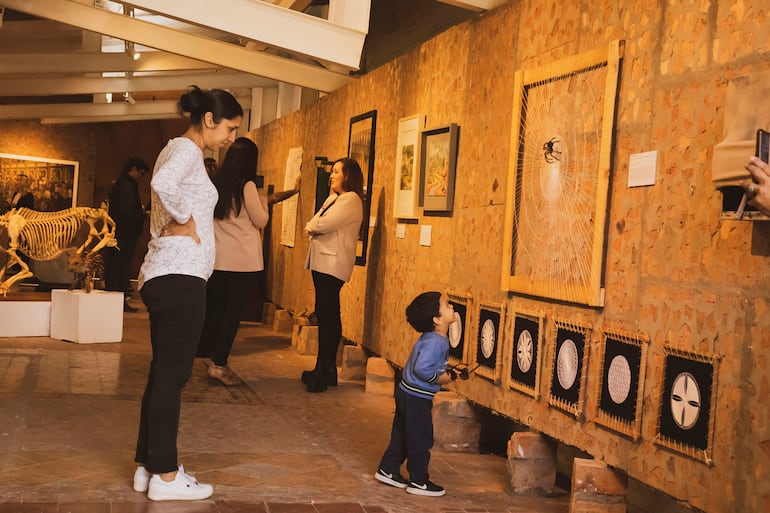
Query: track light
[[129, 98], [131, 50]]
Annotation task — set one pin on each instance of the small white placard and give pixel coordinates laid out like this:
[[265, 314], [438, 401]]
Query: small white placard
[[425, 233], [372, 222], [400, 231], [642, 168]]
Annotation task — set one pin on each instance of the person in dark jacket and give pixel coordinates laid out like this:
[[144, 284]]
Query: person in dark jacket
[[126, 209]]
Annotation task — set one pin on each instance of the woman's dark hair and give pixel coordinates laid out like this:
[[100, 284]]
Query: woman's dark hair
[[138, 163], [219, 102], [238, 167], [422, 310], [353, 178]]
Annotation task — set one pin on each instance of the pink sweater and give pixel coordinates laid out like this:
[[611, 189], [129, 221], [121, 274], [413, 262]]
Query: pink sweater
[[239, 237]]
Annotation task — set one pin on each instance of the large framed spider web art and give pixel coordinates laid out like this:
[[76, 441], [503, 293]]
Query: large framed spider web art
[[558, 177], [622, 382], [686, 420], [526, 350], [458, 330], [488, 350], [568, 376]]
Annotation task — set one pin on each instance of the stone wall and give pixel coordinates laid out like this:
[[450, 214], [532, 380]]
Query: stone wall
[[675, 272]]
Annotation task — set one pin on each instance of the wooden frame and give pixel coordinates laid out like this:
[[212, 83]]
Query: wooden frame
[[459, 335], [52, 182], [488, 352], [438, 169], [568, 372], [561, 149], [689, 386], [363, 129], [526, 352], [406, 182], [619, 397]]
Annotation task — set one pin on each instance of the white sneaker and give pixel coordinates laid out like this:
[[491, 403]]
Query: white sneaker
[[141, 479], [184, 487]]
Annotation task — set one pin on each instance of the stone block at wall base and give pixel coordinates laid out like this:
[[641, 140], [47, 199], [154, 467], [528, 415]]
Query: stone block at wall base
[[353, 363], [268, 313], [455, 425], [283, 323], [531, 464], [379, 377], [597, 488], [307, 339]]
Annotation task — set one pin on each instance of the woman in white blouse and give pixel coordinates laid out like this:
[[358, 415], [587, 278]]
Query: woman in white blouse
[[333, 235], [172, 280]]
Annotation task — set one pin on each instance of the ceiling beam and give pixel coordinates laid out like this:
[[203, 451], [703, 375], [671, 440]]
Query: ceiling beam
[[173, 41], [339, 41], [97, 63], [475, 5], [95, 85]]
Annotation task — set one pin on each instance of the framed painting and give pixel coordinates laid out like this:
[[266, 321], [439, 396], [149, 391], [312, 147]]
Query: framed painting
[[568, 375], [361, 149], [558, 177], [458, 330], [619, 407], [688, 395], [526, 352], [438, 169], [38, 183], [407, 165], [489, 340]]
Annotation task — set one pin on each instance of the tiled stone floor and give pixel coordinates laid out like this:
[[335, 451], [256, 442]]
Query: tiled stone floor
[[69, 412]]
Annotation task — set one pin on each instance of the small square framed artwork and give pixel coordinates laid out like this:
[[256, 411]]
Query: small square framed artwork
[[459, 330], [526, 352], [568, 376], [488, 349]]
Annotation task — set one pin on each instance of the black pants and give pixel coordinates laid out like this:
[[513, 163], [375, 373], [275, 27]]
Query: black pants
[[118, 273], [411, 437], [176, 304], [327, 310], [226, 292]]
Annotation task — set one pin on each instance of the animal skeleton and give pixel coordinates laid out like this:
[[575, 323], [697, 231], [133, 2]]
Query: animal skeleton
[[46, 235]]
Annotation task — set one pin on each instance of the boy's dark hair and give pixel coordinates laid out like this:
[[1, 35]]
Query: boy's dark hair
[[138, 163], [422, 310]]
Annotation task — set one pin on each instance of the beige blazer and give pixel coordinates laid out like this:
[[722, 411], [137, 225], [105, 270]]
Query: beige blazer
[[333, 232]]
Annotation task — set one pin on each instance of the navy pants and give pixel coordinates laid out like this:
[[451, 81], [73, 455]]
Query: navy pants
[[177, 306], [226, 292], [411, 437]]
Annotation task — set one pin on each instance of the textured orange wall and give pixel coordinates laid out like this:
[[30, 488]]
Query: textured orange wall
[[675, 272]]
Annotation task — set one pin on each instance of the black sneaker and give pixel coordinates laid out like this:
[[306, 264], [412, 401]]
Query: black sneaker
[[426, 488], [396, 480]]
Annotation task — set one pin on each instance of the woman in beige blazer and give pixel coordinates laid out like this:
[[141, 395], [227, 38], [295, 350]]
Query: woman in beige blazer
[[333, 235]]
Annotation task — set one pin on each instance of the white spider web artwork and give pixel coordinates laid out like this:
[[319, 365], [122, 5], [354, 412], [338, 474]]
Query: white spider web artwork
[[558, 178]]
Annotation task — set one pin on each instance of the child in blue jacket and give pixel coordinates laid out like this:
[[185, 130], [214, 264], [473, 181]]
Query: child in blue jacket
[[411, 437]]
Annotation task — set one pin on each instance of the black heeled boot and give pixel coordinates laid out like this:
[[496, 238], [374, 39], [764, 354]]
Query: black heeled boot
[[317, 383], [308, 375]]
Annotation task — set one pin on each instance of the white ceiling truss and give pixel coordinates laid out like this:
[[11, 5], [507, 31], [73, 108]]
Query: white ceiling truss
[[231, 44]]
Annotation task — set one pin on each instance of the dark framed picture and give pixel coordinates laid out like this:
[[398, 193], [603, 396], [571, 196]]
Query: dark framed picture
[[568, 377], [458, 330], [489, 340], [438, 169], [361, 149], [526, 352]]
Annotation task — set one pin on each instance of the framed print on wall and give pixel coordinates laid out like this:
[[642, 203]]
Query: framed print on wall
[[568, 376], [52, 183], [407, 165], [558, 177], [361, 149], [489, 340], [438, 169], [527, 349], [458, 330]]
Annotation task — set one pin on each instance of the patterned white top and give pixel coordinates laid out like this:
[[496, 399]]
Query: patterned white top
[[180, 188]]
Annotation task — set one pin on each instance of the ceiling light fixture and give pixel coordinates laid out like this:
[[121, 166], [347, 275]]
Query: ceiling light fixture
[[131, 50], [129, 98]]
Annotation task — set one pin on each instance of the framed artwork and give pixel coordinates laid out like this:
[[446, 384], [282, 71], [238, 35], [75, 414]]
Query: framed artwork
[[619, 407], [686, 418], [458, 330], [568, 376], [558, 177], [526, 352], [489, 340], [38, 183], [361, 149], [407, 162], [438, 167]]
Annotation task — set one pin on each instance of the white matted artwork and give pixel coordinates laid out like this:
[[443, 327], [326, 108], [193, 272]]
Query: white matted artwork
[[619, 405], [459, 330], [568, 373], [526, 352], [406, 185], [488, 347], [289, 206]]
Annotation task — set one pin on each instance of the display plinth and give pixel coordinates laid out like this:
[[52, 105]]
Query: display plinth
[[87, 318], [25, 315]]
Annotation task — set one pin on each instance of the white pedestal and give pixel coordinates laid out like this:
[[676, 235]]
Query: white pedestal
[[25, 318], [87, 318]]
